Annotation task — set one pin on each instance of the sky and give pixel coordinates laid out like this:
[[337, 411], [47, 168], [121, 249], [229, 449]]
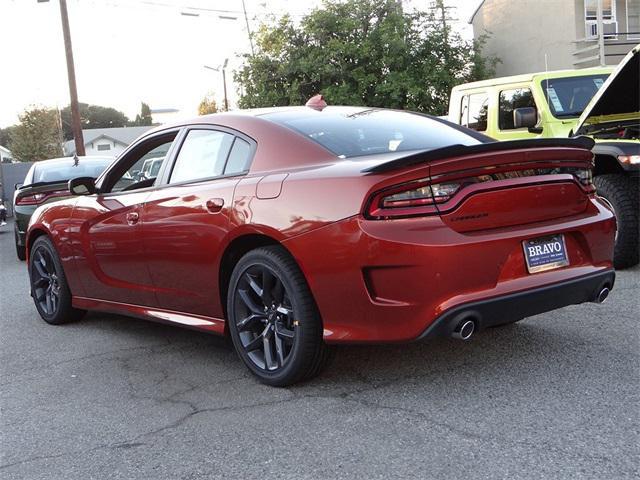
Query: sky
[[129, 51]]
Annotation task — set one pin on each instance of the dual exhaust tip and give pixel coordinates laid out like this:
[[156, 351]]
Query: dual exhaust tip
[[466, 327]]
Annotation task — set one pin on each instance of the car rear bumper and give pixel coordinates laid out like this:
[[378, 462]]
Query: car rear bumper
[[519, 305], [383, 281]]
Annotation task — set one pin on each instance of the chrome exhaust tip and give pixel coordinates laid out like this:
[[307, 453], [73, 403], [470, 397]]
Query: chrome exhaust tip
[[464, 330], [602, 296]]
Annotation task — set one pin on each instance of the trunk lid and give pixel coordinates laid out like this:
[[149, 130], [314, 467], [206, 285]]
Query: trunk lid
[[513, 187]]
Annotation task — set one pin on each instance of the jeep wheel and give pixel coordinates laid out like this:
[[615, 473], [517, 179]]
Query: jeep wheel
[[623, 194]]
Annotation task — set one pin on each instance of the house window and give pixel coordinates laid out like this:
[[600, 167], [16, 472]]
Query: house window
[[474, 111], [103, 147], [609, 23], [509, 101], [633, 19]]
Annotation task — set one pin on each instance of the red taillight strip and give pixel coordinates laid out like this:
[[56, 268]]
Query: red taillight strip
[[377, 209], [39, 197]]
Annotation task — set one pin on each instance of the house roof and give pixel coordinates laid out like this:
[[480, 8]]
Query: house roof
[[473, 15], [122, 135], [4, 149]]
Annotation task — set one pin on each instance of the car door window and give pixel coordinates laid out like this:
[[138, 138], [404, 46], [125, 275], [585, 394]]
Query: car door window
[[474, 111], [203, 154], [142, 174], [239, 158], [509, 101]]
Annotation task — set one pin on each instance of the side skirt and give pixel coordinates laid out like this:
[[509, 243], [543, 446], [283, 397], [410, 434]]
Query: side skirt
[[195, 322]]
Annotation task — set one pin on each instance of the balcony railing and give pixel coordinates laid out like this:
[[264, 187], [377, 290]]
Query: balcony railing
[[593, 51]]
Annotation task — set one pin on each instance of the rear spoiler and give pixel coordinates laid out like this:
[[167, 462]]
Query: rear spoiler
[[457, 150]]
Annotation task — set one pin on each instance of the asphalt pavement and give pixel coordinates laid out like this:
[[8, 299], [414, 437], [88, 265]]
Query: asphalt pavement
[[555, 396]]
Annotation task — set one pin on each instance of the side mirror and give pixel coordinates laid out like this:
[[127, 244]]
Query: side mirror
[[82, 186], [525, 117]]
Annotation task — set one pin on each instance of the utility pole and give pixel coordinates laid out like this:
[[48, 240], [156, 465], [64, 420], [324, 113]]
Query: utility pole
[[246, 19], [76, 125]]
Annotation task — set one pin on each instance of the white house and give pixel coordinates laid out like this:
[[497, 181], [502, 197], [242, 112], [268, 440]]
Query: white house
[[106, 141], [5, 155]]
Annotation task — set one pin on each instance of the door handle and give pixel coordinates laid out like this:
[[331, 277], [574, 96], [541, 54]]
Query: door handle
[[214, 205], [132, 218]]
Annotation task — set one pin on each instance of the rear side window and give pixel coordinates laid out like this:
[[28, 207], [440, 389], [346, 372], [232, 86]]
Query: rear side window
[[509, 101], [203, 155], [239, 158], [474, 111]]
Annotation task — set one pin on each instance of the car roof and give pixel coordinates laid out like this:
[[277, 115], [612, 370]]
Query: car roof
[[528, 77]]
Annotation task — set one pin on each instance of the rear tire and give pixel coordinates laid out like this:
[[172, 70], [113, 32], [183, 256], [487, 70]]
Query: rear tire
[[273, 320], [49, 287], [623, 194], [21, 250]]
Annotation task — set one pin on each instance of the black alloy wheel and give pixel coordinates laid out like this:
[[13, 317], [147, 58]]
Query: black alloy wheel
[[273, 319], [49, 287], [266, 324], [45, 281]]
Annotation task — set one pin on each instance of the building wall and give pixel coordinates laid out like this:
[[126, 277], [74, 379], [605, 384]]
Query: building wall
[[93, 148], [520, 36], [10, 174]]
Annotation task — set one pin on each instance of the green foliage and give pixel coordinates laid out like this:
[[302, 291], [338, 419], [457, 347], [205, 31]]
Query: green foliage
[[37, 136], [5, 135], [144, 117], [360, 52], [92, 116], [208, 105]]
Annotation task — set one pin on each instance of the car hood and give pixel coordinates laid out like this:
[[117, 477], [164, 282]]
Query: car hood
[[618, 99]]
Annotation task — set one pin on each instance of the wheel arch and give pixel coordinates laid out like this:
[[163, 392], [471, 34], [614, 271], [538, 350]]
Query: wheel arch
[[606, 164], [32, 235]]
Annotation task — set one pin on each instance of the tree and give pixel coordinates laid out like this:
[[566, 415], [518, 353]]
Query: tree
[[360, 52], [37, 136], [144, 117], [93, 116], [5, 135], [208, 105]]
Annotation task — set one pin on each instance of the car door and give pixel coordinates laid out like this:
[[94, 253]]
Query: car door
[[187, 220], [107, 237]]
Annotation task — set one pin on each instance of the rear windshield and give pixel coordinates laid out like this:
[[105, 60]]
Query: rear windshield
[[567, 97], [373, 131], [56, 171]]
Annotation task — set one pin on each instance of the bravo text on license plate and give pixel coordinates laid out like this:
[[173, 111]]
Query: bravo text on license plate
[[545, 253]]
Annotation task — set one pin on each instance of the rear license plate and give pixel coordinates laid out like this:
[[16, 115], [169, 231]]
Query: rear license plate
[[545, 253]]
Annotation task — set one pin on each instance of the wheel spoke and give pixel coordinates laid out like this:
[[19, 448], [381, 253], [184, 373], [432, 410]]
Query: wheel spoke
[[249, 302], [285, 334], [279, 349], [268, 281], [285, 310], [40, 282], [254, 285], [269, 360], [49, 303], [39, 264], [245, 323]]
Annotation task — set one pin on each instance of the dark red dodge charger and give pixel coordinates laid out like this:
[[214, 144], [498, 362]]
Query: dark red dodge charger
[[293, 228]]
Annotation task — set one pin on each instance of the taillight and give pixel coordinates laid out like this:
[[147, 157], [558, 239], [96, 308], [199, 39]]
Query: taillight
[[411, 199], [38, 198], [31, 199], [419, 198]]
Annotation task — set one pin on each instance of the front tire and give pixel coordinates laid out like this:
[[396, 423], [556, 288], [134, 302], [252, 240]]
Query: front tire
[[622, 193], [273, 320], [49, 287]]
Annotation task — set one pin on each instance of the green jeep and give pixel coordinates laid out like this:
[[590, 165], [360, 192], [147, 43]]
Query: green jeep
[[599, 102]]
